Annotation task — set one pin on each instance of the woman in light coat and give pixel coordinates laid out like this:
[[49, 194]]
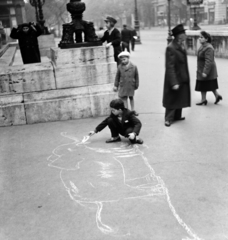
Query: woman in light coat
[[206, 70]]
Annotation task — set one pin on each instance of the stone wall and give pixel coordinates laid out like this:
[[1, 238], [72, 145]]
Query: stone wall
[[75, 83], [219, 42]]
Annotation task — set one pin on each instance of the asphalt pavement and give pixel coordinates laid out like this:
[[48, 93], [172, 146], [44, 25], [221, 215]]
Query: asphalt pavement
[[173, 187]]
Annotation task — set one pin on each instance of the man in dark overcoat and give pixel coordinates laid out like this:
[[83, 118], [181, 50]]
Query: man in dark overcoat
[[112, 37], [176, 93], [27, 35], [126, 35]]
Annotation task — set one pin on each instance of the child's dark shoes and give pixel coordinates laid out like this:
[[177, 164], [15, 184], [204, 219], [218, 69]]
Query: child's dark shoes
[[136, 141], [112, 140]]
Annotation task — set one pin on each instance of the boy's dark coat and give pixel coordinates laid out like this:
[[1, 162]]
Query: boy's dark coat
[[128, 121], [115, 39], [176, 73]]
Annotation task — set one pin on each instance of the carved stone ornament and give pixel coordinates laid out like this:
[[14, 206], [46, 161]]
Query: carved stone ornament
[[73, 31]]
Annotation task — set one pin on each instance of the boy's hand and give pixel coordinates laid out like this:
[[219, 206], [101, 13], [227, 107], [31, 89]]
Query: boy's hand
[[176, 87], [91, 133], [108, 45], [131, 136], [115, 89]]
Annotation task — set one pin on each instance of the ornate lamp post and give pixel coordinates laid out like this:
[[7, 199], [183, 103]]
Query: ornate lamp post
[[195, 4], [38, 4], [169, 39], [34, 4], [137, 25]]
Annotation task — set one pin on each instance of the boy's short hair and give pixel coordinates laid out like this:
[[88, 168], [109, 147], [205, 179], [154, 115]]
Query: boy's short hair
[[117, 104]]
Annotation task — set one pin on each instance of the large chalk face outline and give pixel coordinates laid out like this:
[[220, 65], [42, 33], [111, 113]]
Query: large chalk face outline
[[91, 181]]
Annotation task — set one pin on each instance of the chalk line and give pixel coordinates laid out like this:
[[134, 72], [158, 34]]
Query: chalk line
[[119, 152]]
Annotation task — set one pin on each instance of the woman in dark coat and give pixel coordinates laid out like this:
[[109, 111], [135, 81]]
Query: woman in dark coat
[[27, 35], [206, 69], [176, 94], [112, 37]]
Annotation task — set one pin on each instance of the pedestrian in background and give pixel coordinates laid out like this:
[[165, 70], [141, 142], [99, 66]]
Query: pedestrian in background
[[112, 37], [206, 69], [176, 94], [127, 79], [27, 35], [133, 38], [126, 35]]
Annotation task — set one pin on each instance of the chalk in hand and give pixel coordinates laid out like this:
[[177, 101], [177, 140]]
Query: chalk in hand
[[85, 139]]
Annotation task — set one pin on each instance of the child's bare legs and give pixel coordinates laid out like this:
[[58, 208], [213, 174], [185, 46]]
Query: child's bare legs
[[124, 99], [132, 103]]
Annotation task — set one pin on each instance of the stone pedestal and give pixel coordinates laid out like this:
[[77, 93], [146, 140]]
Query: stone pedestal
[[83, 66], [82, 56], [77, 83], [27, 78], [67, 104]]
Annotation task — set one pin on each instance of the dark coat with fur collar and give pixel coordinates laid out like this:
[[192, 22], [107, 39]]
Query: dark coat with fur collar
[[176, 73]]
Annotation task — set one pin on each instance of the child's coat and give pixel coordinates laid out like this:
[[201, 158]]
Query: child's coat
[[127, 80]]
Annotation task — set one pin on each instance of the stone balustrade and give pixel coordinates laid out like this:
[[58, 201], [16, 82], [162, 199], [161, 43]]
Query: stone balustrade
[[219, 42], [7, 54]]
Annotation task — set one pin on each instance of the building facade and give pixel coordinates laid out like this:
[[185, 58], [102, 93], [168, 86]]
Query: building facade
[[210, 12], [12, 13], [215, 11]]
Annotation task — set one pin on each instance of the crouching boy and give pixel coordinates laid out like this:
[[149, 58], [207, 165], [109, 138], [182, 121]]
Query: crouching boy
[[121, 122]]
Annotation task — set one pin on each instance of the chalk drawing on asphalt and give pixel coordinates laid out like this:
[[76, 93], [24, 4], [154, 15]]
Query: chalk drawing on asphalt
[[91, 181]]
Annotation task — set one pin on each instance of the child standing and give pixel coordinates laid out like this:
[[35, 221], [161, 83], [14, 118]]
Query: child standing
[[112, 37], [121, 122], [127, 79]]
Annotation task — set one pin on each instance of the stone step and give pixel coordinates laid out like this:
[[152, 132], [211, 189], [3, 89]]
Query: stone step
[[12, 111], [67, 104], [27, 78], [56, 105]]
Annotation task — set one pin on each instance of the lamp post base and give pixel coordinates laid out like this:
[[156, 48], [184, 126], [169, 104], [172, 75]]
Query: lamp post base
[[196, 27]]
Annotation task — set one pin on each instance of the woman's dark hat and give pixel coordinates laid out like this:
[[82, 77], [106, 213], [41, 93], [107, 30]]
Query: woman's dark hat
[[178, 29], [110, 19]]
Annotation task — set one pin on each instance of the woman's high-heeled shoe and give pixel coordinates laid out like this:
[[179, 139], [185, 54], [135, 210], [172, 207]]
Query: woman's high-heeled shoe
[[219, 98], [202, 103]]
